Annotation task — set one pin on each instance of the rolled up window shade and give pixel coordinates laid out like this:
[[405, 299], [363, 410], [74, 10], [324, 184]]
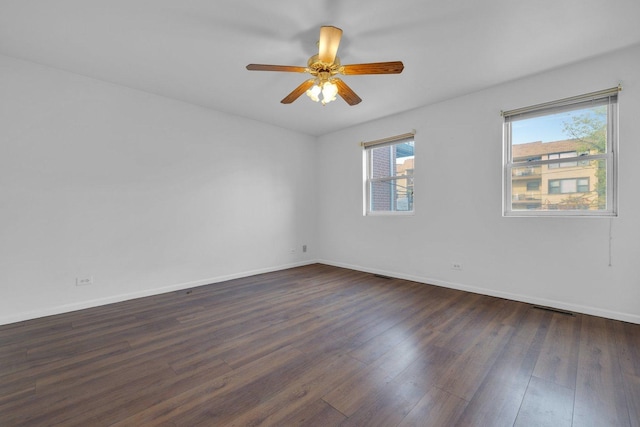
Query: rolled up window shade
[[405, 137], [593, 99]]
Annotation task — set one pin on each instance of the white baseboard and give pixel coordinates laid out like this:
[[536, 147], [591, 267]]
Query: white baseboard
[[66, 308], [595, 311], [576, 308]]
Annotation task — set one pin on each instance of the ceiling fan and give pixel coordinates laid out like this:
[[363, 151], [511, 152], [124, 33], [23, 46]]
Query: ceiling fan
[[324, 86]]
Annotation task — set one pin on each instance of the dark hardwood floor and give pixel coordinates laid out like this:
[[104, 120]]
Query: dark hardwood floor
[[319, 346]]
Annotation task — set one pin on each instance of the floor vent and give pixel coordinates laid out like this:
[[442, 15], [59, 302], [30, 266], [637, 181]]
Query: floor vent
[[554, 310], [380, 276]]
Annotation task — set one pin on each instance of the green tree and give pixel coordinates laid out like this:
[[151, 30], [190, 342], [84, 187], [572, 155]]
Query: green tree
[[590, 128]]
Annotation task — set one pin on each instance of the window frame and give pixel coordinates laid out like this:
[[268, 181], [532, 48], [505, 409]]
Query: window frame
[[608, 98], [368, 180]]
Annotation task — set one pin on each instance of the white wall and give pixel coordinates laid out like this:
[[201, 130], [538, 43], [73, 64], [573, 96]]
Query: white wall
[[148, 195], [143, 193], [558, 262]]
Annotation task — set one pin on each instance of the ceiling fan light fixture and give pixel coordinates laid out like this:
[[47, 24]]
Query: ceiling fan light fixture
[[329, 92], [323, 92], [324, 89], [314, 93]]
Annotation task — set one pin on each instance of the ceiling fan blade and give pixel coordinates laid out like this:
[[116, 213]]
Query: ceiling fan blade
[[394, 67], [346, 92], [266, 67], [295, 94], [328, 45]]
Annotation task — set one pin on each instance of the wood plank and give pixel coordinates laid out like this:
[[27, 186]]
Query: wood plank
[[12, 359], [413, 324], [558, 361], [432, 365], [18, 393], [388, 406], [317, 414], [113, 406], [437, 408], [294, 396], [267, 349], [349, 396], [215, 401], [24, 379], [632, 390], [628, 345], [418, 366], [460, 331], [416, 346], [465, 375], [600, 399], [546, 404], [499, 396]]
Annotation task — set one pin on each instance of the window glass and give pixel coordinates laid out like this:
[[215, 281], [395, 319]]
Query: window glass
[[583, 185], [559, 157], [389, 176]]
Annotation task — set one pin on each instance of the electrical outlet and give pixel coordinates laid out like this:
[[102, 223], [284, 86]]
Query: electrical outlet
[[83, 281], [304, 248], [456, 266]]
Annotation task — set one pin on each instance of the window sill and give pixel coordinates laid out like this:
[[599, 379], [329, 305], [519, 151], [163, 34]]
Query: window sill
[[390, 213], [560, 214]]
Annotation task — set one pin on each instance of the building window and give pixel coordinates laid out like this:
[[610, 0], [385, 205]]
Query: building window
[[560, 157], [570, 154], [388, 171], [567, 186], [563, 156]]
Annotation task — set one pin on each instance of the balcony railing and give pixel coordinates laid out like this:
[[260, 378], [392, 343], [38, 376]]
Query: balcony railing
[[526, 171], [527, 196]]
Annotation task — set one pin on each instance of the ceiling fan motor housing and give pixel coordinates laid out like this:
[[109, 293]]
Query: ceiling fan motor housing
[[316, 66]]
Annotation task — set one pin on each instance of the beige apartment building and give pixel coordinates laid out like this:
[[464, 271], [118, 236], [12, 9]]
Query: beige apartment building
[[569, 184]]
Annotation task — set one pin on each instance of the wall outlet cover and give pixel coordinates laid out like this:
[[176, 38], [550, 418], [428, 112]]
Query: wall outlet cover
[[84, 281]]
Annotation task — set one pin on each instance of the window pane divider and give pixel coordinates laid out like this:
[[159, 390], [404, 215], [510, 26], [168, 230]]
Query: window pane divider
[[522, 164], [390, 178]]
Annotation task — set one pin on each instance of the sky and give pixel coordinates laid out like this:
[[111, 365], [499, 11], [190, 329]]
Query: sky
[[545, 128]]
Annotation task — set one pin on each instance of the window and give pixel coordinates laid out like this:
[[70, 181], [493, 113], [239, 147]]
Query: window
[[563, 156], [560, 157], [389, 166], [583, 185], [565, 186], [533, 185], [570, 154]]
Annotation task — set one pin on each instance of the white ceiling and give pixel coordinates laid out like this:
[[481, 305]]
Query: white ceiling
[[196, 50]]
